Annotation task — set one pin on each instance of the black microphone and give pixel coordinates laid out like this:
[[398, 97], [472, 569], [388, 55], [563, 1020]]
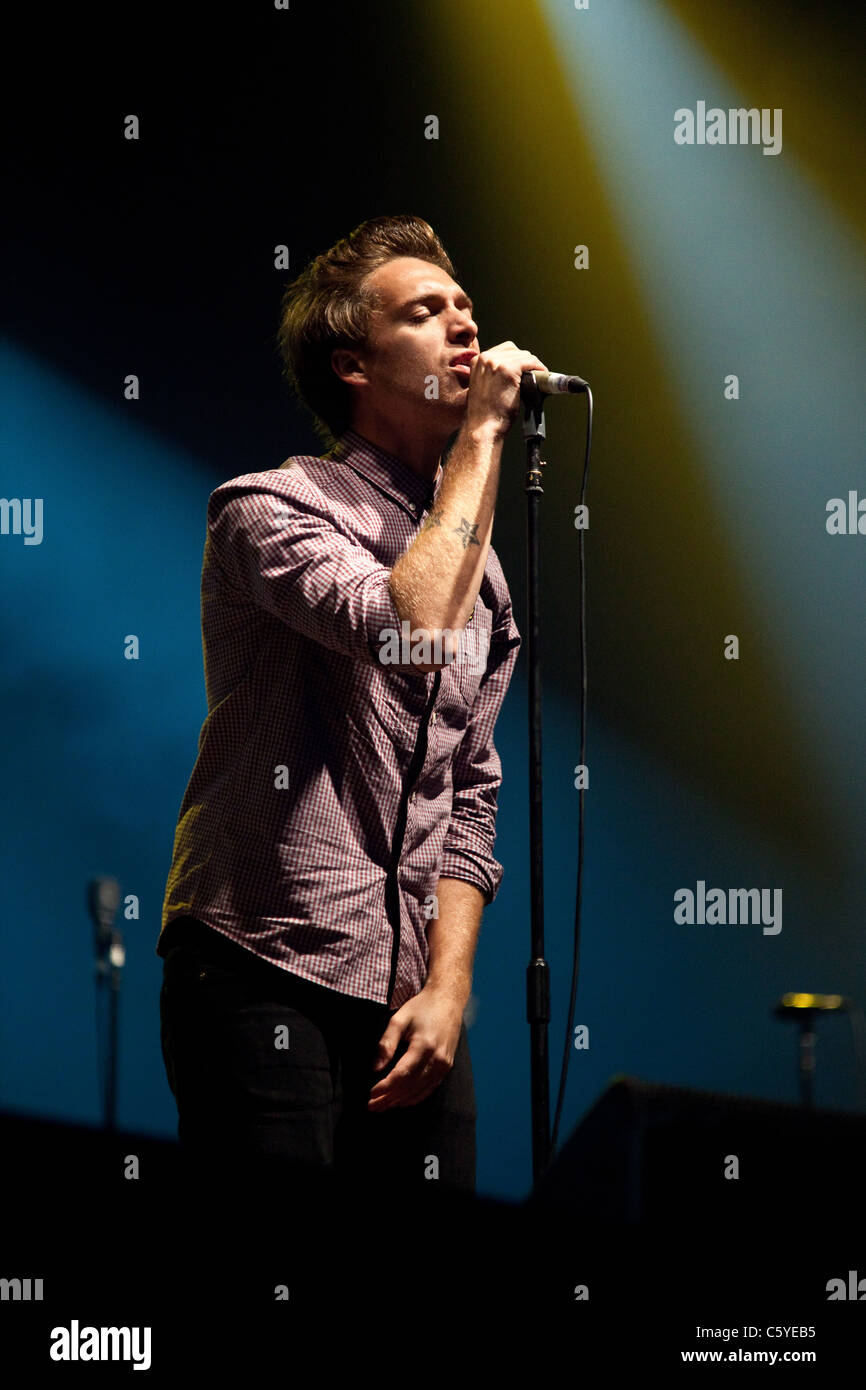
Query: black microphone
[[103, 899], [551, 383]]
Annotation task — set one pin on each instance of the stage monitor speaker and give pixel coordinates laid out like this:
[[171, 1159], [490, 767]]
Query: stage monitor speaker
[[648, 1152]]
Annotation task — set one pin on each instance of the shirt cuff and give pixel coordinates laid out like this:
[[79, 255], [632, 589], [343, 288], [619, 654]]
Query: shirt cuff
[[458, 865]]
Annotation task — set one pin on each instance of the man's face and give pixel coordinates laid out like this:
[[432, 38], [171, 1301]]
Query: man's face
[[425, 322]]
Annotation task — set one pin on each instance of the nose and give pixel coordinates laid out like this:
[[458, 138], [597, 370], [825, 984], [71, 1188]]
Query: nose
[[466, 327]]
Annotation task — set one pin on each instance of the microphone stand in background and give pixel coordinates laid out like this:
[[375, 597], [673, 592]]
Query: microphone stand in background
[[805, 1010], [110, 955]]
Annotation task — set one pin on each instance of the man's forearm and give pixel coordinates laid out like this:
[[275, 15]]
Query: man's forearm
[[452, 938], [436, 581]]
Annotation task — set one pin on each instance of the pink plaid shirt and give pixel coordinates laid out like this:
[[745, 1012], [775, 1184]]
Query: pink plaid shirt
[[334, 783]]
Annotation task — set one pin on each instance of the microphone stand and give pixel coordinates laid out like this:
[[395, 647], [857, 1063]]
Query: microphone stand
[[806, 1059], [805, 1010], [538, 970], [104, 899]]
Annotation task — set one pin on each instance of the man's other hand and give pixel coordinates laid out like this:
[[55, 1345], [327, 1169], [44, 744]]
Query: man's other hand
[[430, 1024]]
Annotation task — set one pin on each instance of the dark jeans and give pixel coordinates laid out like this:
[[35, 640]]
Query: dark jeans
[[239, 1095]]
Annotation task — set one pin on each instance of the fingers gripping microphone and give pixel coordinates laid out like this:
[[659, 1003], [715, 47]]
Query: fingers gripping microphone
[[551, 384]]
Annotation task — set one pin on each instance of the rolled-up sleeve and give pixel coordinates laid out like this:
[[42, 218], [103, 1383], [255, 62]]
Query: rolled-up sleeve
[[477, 772], [289, 557]]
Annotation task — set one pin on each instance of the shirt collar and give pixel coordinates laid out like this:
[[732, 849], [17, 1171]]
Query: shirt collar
[[387, 471]]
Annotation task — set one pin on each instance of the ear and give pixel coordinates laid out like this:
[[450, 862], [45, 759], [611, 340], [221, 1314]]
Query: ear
[[347, 366]]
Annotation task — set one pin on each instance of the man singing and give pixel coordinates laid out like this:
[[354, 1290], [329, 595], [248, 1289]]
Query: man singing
[[334, 847]]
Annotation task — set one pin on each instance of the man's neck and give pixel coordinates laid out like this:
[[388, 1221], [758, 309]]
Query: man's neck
[[421, 455]]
